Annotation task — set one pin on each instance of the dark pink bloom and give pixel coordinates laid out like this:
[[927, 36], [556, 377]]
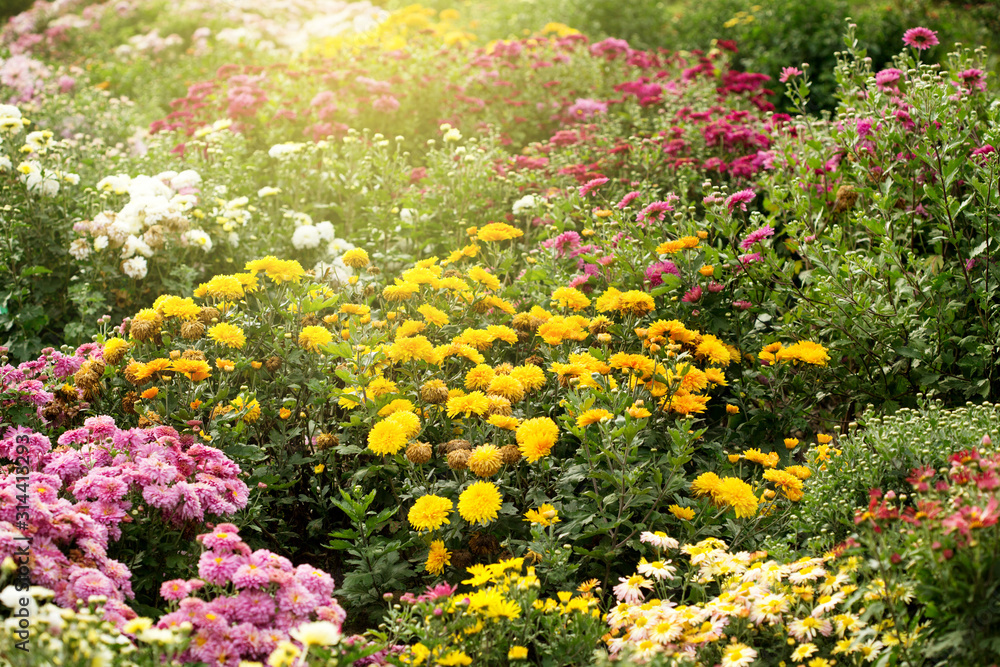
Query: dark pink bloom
[[654, 274], [742, 305], [757, 235], [920, 38], [693, 295], [887, 79], [741, 199]]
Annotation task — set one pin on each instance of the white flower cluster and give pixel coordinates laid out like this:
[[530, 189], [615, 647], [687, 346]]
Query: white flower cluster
[[308, 234], [37, 178], [159, 209]]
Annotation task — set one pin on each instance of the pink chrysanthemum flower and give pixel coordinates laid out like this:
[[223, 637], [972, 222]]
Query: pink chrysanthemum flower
[[741, 199], [789, 72], [628, 199], [654, 274], [175, 589], [592, 185], [920, 38], [757, 235]]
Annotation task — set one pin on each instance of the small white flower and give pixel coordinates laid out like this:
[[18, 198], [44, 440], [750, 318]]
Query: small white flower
[[268, 191], [524, 203], [305, 236], [325, 230], [135, 268], [197, 237], [79, 249], [284, 150], [100, 243]]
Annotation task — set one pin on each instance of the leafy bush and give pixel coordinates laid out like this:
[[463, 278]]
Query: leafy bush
[[881, 452]]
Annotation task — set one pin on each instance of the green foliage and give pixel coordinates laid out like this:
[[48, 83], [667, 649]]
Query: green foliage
[[880, 452]]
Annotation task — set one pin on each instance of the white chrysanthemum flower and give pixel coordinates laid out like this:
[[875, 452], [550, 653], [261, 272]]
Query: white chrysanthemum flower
[[135, 268], [117, 184], [183, 203], [659, 539], [79, 249], [5, 163], [72, 179], [100, 243], [524, 203], [143, 186], [268, 191], [408, 215], [197, 237], [189, 178], [325, 230], [339, 246], [305, 236], [284, 150], [135, 245], [335, 271], [234, 239], [10, 118]]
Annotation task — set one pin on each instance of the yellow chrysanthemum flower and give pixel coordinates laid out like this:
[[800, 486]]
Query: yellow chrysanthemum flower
[[227, 334], [480, 503], [314, 337], [536, 437], [429, 512]]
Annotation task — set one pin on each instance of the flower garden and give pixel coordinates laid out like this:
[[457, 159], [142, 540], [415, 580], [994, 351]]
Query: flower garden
[[469, 334]]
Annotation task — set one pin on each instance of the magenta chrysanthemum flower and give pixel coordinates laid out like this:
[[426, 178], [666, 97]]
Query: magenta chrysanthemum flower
[[693, 294], [217, 568], [972, 79], [656, 209], [757, 235], [788, 72], [748, 259], [742, 304], [920, 38], [654, 274], [592, 185], [887, 79], [741, 199]]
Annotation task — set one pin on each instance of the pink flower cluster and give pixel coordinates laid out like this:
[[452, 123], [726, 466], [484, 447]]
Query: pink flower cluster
[[68, 545], [24, 385], [80, 493], [258, 598], [105, 466]]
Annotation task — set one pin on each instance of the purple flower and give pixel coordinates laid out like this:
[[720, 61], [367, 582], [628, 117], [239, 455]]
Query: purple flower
[[920, 38], [741, 199], [757, 235]]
